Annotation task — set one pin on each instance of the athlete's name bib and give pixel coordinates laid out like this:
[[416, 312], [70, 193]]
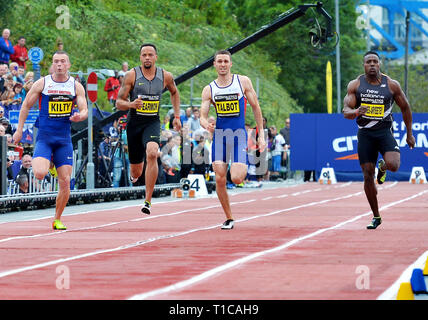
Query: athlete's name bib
[[60, 106], [150, 105], [227, 105], [374, 111]]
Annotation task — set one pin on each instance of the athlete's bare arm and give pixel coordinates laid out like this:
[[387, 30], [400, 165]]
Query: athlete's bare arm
[[402, 102], [350, 101], [122, 102], [81, 104], [29, 101], [251, 95], [175, 98], [204, 110]]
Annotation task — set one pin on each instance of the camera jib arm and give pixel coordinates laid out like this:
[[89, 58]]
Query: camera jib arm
[[320, 36]]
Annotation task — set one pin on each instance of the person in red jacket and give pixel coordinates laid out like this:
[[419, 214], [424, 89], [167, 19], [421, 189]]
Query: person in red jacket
[[112, 87], [21, 53]]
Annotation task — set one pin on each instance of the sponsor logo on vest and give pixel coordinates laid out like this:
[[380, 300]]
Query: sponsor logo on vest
[[60, 109], [374, 111], [150, 105], [227, 105]]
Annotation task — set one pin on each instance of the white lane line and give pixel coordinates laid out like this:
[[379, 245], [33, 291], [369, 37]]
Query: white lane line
[[391, 292], [135, 244], [168, 200], [119, 222], [207, 274]]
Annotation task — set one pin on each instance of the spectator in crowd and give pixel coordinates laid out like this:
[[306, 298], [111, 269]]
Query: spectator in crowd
[[22, 181], [186, 116], [9, 164], [27, 162], [1, 112], [19, 96], [28, 82], [21, 74], [112, 87], [277, 150], [12, 98], [120, 160], [8, 93], [194, 122], [200, 155], [166, 122], [186, 151], [261, 166], [6, 125], [3, 72], [2, 131], [59, 44], [124, 67], [285, 132], [20, 56], [104, 147], [9, 139], [29, 76], [6, 47], [121, 76], [169, 163], [13, 67]]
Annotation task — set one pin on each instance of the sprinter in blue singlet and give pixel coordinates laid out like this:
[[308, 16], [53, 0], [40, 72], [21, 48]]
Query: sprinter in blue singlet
[[57, 94], [229, 94]]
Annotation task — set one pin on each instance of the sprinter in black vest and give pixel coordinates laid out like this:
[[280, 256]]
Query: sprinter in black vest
[[369, 99], [141, 94]]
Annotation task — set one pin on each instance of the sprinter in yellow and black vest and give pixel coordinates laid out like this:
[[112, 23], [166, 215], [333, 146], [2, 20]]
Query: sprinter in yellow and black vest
[[141, 95], [369, 100]]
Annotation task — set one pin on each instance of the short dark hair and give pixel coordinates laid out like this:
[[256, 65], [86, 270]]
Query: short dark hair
[[149, 45], [371, 52], [62, 52], [222, 52], [22, 178]]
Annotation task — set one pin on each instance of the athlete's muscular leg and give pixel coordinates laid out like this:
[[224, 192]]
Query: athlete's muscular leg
[[40, 167], [370, 186], [392, 161], [136, 170], [151, 168], [238, 172], [220, 169], [64, 174]]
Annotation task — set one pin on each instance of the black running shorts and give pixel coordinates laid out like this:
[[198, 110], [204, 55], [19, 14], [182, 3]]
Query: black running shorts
[[373, 141], [139, 134]]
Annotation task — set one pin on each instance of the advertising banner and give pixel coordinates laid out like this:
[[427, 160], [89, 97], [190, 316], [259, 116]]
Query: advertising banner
[[330, 140]]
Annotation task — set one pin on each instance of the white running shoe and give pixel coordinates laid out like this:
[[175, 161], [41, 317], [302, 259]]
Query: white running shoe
[[228, 224]]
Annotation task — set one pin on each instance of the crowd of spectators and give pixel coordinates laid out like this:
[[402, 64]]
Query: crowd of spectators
[[180, 153], [188, 151]]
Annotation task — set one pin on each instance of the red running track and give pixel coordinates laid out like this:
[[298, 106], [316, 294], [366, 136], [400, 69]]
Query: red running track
[[307, 241]]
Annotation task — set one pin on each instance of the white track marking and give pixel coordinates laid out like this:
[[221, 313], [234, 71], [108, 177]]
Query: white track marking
[[207, 274], [169, 200], [124, 221], [135, 244]]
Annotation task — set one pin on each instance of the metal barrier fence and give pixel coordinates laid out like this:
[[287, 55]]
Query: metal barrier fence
[[43, 200], [48, 184]]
